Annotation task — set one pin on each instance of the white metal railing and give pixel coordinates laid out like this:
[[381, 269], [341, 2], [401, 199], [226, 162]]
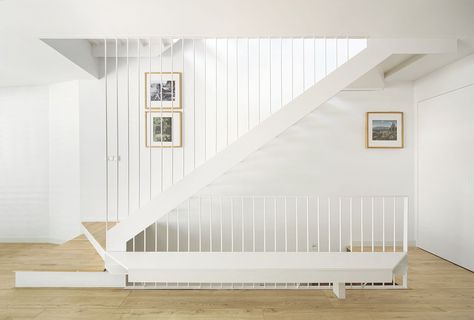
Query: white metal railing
[[222, 89], [279, 224]]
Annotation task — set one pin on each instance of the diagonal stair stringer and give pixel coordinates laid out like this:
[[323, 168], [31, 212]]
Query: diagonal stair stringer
[[376, 52]]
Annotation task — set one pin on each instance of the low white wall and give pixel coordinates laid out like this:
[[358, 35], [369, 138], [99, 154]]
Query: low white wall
[[24, 164], [445, 162]]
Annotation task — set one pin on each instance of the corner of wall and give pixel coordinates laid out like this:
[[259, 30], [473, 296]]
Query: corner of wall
[[64, 175]]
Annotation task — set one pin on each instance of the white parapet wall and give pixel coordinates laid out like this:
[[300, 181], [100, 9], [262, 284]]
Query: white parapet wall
[[53, 279]]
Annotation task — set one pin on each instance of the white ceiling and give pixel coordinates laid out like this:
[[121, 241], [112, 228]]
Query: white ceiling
[[26, 60]]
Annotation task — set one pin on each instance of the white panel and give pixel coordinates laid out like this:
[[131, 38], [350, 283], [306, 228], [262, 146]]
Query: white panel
[[260, 267], [446, 176]]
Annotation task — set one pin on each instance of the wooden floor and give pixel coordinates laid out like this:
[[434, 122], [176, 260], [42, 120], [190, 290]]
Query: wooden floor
[[438, 290]]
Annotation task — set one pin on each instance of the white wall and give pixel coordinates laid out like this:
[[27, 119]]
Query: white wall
[[445, 162], [64, 177], [24, 164], [39, 163]]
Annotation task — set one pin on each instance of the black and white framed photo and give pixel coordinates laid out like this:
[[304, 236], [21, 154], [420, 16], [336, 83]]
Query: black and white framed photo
[[384, 129], [163, 90], [163, 129]]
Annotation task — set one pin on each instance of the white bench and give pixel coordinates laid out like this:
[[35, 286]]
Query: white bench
[[260, 267]]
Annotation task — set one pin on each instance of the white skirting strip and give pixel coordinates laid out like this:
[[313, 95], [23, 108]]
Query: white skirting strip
[[94, 242], [51, 279]]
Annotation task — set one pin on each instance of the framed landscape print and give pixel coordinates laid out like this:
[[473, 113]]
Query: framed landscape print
[[384, 129], [163, 129], [163, 90]]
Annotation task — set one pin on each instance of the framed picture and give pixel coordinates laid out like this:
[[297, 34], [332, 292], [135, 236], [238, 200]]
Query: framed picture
[[384, 129], [163, 90], [163, 129]]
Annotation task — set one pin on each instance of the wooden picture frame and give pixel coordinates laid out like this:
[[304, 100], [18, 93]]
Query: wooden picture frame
[[155, 121], [384, 130], [163, 91]]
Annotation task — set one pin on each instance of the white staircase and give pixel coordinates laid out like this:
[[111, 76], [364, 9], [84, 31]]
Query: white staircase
[[376, 52], [331, 265]]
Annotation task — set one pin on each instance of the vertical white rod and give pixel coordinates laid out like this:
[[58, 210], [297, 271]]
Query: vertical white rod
[[162, 162], [286, 227], [347, 48], [177, 227], [156, 235], [307, 224], [253, 223], [270, 73], [304, 80], [292, 72], [215, 147], [405, 224], [318, 225], [227, 92], [361, 224], [275, 224], [183, 132], [167, 232], [325, 57], [350, 221], [405, 235], [383, 224], [189, 225], [242, 222], [264, 224], [150, 126], [248, 85], [372, 217], [144, 240], [139, 132], [237, 83], [220, 219], [172, 111], [200, 224], [315, 61], [340, 224], [128, 130], [210, 226], [106, 141], [329, 224], [259, 102], [394, 224], [194, 103], [281, 73], [205, 99], [296, 225], [117, 138], [232, 224]]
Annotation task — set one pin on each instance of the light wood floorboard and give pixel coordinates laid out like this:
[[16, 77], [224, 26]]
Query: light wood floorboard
[[438, 290]]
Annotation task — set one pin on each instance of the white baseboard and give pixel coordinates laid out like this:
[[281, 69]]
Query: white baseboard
[[49, 279], [94, 243], [32, 240]]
